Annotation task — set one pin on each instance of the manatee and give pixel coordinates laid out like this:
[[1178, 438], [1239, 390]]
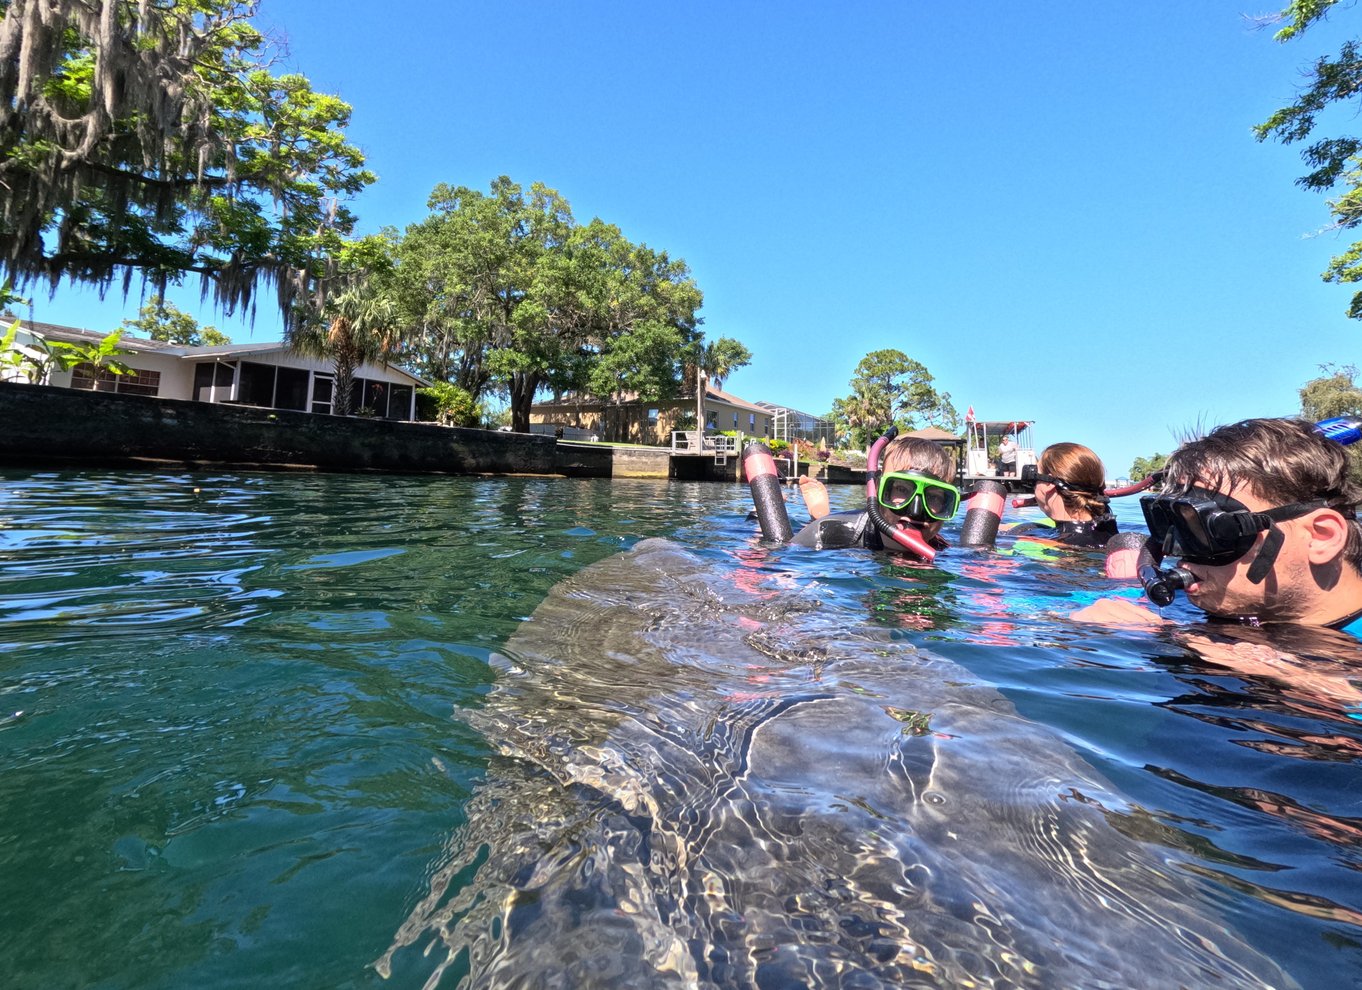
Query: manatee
[[703, 781]]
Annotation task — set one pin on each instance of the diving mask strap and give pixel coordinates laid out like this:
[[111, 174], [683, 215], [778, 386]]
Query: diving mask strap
[[1267, 555], [1273, 542]]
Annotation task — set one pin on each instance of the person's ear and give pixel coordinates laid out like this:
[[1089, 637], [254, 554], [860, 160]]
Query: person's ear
[[1328, 532]]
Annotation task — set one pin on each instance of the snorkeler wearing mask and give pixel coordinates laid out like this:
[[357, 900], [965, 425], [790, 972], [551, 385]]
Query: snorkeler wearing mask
[[1070, 483], [1261, 516], [911, 501]]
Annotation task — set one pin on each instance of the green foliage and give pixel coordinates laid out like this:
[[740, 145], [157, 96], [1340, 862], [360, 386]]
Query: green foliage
[[1143, 467], [1300, 14], [359, 325], [505, 291], [8, 297], [159, 141], [722, 357], [44, 356], [1334, 393], [11, 357], [1334, 162], [454, 406], [890, 387], [160, 320]]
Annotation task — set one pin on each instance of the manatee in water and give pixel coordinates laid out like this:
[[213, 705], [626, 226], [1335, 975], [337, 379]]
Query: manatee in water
[[703, 786]]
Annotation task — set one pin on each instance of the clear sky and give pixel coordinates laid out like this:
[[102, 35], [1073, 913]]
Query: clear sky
[[1059, 208]]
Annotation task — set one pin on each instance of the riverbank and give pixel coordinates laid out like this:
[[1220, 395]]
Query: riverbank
[[62, 427]]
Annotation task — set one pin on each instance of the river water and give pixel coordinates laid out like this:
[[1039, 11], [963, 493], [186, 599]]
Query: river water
[[353, 731]]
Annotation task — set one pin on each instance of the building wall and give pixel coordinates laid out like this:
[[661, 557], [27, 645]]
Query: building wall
[[649, 423], [177, 375]]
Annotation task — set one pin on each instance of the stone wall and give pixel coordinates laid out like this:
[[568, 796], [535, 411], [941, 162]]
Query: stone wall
[[41, 425]]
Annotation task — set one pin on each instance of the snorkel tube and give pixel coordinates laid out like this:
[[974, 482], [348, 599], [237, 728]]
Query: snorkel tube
[[908, 538], [1160, 585], [1027, 501], [762, 478]]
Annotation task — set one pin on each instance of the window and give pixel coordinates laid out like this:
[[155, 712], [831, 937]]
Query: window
[[323, 387], [751, 422], [399, 401], [139, 382], [652, 417], [256, 386], [290, 391], [209, 375]]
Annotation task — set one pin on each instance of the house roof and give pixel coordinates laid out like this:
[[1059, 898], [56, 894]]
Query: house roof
[[185, 352], [773, 407], [934, 433], [717, 393]]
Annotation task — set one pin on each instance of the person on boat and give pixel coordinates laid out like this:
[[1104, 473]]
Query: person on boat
[[1263, 518], [1070, 480], [1007, 457], [912, 493]]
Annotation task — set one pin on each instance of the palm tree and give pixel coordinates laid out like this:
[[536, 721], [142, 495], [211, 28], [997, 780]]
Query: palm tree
[[356, 326], [717, 361]]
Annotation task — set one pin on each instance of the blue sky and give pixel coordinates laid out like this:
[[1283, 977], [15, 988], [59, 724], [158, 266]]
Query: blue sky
[[1059, 208]]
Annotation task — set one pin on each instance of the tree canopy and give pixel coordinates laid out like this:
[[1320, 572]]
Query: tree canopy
[[504, 290], [890, 387], [153, 138], [161, 320], [1143, 467], [1334, 393], [1335, 163]]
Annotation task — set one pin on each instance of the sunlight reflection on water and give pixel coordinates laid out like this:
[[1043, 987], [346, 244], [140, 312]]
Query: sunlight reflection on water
[[246, 719]]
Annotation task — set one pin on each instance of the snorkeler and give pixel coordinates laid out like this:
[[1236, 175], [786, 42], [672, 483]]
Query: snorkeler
[[1070, 489], [911, 501], [1262, 517]]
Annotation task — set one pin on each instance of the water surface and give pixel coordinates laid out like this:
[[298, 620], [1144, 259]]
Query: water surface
[[240, 730]]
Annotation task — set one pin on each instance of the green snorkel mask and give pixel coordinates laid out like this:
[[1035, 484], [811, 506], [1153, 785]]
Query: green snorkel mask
[[918, 496]]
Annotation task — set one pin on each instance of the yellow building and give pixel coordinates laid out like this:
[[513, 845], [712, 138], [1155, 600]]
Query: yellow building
[[626, 419]]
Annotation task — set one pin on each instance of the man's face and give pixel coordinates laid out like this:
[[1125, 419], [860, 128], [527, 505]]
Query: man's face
[[1226, 591]]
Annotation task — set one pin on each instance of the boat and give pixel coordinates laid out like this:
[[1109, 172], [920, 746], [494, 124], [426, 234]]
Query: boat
[[982, 437]]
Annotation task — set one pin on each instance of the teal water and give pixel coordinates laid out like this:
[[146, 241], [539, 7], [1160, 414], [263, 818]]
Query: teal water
[[231, 752]]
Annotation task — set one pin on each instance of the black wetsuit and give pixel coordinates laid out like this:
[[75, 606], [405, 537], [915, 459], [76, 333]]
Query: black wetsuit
[[842, 530], [1090, 533]]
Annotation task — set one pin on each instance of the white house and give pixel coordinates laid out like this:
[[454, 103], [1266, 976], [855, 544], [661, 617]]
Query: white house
[[267, 375]]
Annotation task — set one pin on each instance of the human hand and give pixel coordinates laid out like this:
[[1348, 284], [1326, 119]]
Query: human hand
[[815, 495], [1117, 612]]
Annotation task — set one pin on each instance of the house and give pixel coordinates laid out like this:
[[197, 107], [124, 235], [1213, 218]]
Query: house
[[628, 419], [267, 375]]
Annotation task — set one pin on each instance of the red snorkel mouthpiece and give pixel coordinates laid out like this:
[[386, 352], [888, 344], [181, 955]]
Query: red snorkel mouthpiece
[[908, 538]]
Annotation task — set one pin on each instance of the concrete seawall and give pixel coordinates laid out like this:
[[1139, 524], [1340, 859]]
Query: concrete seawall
[[46, 426], [59, 426]]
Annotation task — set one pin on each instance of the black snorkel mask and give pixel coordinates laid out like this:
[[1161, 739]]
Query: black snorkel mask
[[1204, 527], [1200, 526], [1031, 475]]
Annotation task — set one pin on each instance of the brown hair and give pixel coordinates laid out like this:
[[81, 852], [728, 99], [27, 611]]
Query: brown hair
[[923, 456], [1074, 464], [1280, 460]]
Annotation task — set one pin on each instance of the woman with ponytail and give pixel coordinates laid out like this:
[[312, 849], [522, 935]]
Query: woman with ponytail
[[1070, 480]]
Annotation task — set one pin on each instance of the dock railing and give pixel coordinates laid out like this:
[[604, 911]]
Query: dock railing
[[704, 444]]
